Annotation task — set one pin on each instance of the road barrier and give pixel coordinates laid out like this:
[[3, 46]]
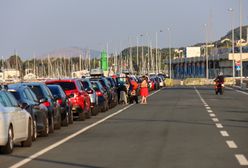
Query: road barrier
[[196, 82]]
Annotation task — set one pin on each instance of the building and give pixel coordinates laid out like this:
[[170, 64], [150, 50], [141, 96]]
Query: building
[[218, 60]]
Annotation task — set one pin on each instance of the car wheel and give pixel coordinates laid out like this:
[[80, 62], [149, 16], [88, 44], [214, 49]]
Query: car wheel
[[65, 121], [71, 118], [81, 115], [51, 125], [58, 124], [89, 114], [8, 148], [28, 142], [45, 132], [34, 130]]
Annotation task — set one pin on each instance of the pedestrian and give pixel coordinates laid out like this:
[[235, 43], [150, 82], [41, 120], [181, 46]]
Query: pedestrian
[[144, 90], [132, 91]]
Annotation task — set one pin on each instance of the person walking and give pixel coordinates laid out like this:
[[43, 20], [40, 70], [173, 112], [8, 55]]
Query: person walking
[[144, 90]]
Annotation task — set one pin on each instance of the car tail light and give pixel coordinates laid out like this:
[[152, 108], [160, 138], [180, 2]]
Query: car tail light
[[59, 101], [98, 93], [47, 103]]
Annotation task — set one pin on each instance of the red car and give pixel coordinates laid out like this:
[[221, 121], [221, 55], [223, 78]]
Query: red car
[[78, 97]]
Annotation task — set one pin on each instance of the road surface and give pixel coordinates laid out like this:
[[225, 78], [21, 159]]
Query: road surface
[[187, 127]]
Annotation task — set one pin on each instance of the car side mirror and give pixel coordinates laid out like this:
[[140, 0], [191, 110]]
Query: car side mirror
[[56, 97]]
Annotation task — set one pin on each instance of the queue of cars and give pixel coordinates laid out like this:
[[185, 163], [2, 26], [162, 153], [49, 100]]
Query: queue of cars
[[29, 110]]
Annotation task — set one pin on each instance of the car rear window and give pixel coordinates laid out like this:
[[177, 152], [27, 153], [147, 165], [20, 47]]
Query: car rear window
[[37, 91], [66, 85], [16, 95], [86, 84], [54, 90]]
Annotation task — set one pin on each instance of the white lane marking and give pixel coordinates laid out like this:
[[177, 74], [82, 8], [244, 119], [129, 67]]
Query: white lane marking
[[210, 111], [208, 108], [219, 125], [231, 144], [242, 159], [212, 115], [215, 119], [239, 91], [224, 133], [32, 157], [205, 105]]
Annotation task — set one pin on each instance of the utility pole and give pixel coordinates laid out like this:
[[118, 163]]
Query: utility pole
[[240, 31]]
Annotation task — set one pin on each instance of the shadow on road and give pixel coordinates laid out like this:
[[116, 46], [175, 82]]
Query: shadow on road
[[56, 162]]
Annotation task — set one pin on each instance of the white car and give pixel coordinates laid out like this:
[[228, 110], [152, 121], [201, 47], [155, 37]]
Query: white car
[[15, 124]]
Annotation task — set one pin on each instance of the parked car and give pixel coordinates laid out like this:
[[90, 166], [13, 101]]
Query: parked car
[[65, 105], [79, 98], [106, 85], [39, 112], [15, 124], [93, 96], [45, 97], [113, 86], [102, 95]]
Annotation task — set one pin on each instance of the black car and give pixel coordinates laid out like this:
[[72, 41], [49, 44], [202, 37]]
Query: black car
[[102, 95], [45, 96], [106, 85], [63, 100], [28, 100], [113, 86]]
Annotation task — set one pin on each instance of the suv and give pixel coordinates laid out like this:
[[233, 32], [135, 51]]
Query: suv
[[39, 112], [79, 98], [45, 97], [93, 96]]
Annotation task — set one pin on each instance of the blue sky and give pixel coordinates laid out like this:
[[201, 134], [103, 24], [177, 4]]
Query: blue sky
[[40, 26]]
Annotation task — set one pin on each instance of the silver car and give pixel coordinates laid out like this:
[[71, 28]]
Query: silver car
[[15, 124], [95, 108]]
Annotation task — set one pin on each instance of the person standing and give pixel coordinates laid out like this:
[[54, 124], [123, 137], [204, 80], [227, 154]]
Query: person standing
[[132, 91], [144, 90]]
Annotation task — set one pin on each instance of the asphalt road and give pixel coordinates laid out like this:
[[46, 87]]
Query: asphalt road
[[179, 127]]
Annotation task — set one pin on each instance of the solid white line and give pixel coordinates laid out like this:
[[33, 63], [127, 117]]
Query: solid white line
[[242, 159], [231, 144], [239, 91], [224, 133], [215, 119], [32, 157], [212, 115], [210, 111], [218, 125]]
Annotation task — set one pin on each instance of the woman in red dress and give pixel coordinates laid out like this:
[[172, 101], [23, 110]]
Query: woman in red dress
[[144, 90]]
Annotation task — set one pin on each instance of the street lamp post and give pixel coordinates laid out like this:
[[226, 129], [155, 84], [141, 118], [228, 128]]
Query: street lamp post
[[233, 61], [241, 61], [206, 50], [156, 57], [142, 55], [169, 50], [137, 56]]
